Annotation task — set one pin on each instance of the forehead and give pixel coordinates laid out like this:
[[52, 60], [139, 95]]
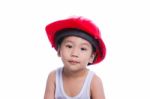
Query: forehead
[[77, 40]]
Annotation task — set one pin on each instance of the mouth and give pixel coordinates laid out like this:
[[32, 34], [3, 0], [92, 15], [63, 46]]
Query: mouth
[[73, 62]]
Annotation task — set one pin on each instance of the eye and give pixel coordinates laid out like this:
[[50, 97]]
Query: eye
[[83, 49], [69, 46]]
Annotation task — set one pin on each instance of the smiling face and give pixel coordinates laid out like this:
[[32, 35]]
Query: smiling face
[[76, 53]]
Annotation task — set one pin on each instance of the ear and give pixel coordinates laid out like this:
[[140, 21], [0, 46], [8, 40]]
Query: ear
[[92, 58], [58, 52]]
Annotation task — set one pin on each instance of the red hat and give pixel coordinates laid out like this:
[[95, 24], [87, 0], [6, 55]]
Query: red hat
[[82, 24]]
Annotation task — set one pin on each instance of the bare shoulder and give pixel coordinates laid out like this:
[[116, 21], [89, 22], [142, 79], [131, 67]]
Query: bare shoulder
[[51, 75], [97, 91], [96, 80], [50, 86]]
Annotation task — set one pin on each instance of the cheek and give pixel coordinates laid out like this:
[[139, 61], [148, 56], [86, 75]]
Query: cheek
[[89, 57], [85, 57], [64, 53]]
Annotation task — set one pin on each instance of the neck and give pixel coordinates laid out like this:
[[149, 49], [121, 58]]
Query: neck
[[74, 74]]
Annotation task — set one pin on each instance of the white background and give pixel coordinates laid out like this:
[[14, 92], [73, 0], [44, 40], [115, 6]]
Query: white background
[[26, 56]]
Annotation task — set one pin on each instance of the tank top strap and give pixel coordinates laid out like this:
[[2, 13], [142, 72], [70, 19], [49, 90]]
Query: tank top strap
[[87, 84], [58, 92], [89, 79]]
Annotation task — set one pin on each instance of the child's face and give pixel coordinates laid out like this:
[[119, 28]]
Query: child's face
[[76, 52]]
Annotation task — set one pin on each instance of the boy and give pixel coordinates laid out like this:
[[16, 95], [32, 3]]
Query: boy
[[78, 42]]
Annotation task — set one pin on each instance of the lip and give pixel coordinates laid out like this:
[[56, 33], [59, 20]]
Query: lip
[[73, 62]]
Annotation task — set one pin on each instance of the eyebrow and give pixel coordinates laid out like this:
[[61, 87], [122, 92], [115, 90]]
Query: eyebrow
[[69, 41], [66, 41], [88, 44]]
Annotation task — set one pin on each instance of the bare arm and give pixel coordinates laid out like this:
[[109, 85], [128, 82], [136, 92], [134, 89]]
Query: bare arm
[[97, 91], [50, 86]]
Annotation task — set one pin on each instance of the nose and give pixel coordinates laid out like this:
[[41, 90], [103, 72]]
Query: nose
[[75, 52]]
